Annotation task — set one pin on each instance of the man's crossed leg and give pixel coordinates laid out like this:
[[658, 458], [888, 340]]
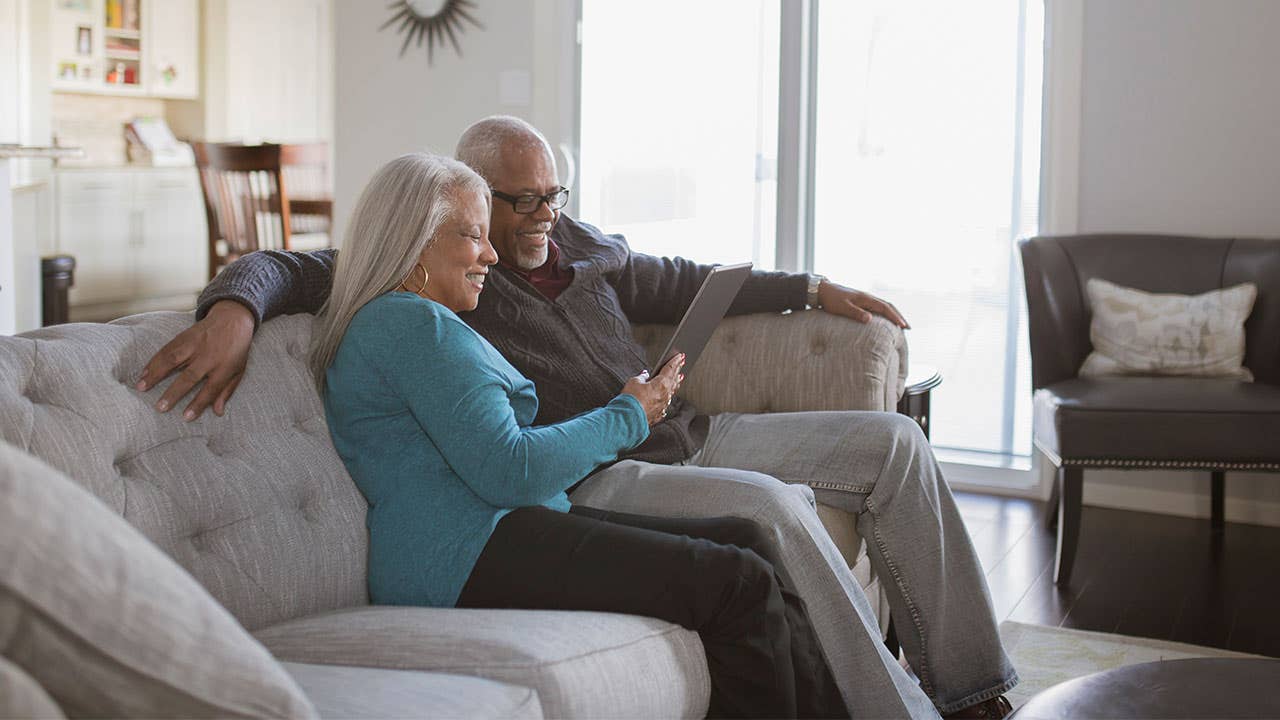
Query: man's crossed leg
[[880, 468]]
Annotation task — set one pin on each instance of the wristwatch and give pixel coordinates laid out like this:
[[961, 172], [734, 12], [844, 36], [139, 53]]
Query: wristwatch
[[815, 280]]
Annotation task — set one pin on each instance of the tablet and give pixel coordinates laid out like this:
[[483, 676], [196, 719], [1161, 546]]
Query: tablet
[[704, 314]]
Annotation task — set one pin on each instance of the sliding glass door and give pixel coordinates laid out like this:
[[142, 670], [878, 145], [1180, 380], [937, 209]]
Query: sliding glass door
[[919, 163], [926, 173], [679, 125]]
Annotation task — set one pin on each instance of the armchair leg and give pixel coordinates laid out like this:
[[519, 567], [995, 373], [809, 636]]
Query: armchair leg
[[1051, 507], [1217, 493], [1071, 480]]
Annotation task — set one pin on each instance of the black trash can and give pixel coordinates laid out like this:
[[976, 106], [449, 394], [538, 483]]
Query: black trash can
[[57, 273]]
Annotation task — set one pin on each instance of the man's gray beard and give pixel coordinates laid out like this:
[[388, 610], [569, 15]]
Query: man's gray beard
[[532, 260]]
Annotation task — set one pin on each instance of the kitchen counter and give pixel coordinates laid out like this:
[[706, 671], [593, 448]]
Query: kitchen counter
[[35, 151], [20, 257]]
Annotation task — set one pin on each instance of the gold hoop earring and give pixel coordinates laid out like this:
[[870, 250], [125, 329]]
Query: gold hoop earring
[[423, 286]]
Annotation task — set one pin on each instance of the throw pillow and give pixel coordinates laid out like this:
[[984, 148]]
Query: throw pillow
[[1141, 333], [108, 624]]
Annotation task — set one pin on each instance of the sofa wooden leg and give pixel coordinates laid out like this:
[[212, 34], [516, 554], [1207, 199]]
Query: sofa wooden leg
[[1070, 502], [1217, 514]]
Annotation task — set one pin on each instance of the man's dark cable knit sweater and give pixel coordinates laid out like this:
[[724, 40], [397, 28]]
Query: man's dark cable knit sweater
[[578, 350]]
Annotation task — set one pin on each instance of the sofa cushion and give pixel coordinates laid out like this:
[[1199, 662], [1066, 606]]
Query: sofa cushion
[[598, 665], [107, 624], [22, 697], [369, 693], [256, 505]]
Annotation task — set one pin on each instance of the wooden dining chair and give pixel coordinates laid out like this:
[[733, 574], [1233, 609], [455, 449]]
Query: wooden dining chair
[[246, 201], [305, 167]]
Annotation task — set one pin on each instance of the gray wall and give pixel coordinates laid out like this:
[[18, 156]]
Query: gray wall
[[1180, 133], [1179, 130], [386, 105]]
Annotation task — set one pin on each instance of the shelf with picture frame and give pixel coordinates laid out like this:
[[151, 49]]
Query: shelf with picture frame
[[126, 47]]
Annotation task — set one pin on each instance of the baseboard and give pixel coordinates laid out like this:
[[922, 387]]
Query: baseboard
[[1165, 502], [1034, 484]]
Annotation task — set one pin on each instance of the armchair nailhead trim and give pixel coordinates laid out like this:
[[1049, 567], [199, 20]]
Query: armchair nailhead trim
[[1173, 464]]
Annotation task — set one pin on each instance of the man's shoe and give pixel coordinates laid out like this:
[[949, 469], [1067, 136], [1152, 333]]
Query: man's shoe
[[993, 709]]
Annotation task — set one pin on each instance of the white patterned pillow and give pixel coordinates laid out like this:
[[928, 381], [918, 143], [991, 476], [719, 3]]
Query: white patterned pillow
[[1141, 333]]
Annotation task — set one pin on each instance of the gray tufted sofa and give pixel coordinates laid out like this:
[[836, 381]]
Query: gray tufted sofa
[[259, 509]]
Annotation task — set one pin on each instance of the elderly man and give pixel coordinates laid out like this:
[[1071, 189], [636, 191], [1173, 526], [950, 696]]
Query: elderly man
[[559, 305]]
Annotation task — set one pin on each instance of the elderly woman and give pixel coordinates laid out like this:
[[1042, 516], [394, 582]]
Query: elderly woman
[[467, 503]]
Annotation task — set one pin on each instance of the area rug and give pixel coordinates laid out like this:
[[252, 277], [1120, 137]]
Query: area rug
[[1045, 656]]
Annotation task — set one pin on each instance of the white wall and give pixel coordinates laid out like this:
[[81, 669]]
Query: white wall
[[24, 87], [1179, 134], [25, 119], [9, 61], [386, 105]]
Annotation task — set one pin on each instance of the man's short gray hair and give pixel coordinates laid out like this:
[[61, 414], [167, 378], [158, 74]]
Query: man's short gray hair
[[481, 145]]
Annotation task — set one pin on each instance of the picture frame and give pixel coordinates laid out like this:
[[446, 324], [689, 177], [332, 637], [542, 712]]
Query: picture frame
[[84, 40]]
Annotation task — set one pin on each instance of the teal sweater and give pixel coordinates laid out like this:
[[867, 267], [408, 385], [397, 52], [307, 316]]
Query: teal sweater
[[434, 427]]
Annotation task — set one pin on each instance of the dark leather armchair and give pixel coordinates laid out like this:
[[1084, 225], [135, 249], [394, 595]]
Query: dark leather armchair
[[1146, 423]]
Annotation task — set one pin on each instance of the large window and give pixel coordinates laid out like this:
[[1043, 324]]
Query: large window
[[679, 126], [926, 172], [918, 154]]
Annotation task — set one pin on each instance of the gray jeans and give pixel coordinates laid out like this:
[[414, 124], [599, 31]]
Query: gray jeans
[[880, 468]]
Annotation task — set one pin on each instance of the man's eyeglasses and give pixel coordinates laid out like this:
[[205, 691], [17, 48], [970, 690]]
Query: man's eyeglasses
[[528, 204]]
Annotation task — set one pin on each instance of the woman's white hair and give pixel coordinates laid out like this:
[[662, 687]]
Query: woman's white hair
[[482, 145], [398, 213]]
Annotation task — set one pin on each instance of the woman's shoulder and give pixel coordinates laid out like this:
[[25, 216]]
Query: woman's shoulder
[[400, 321], [394, 311]]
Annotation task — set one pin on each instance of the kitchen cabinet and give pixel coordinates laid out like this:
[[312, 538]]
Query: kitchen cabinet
[[138, 236], [147, 48], [172, 48], [268, 71]]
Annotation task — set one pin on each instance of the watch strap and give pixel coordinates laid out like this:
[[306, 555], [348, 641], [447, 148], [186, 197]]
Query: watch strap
[[811, 298]]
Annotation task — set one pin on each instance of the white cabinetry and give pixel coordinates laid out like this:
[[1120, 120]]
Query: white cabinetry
[[171, 53], [96, 225], [126, 47], [268, 70], [138, 236]]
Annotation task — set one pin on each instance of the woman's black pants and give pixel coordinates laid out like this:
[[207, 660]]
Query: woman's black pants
[[710, 575]]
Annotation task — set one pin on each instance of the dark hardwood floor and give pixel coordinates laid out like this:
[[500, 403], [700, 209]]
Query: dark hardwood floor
[[1135, 573]]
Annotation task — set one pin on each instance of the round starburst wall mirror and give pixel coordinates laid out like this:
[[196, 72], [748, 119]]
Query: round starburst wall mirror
[[430, 22]]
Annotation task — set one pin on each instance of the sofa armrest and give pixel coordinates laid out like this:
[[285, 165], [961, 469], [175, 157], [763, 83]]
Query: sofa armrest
[[808, 360]]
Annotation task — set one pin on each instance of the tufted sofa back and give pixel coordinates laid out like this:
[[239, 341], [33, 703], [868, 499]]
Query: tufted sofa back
[[788, 363], [256, 505]]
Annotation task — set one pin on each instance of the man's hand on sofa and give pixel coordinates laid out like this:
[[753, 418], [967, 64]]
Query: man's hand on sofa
[[857, 305], [213, 351]]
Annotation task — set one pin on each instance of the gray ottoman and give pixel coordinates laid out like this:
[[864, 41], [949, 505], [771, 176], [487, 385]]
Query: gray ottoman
[[1200, 688]]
